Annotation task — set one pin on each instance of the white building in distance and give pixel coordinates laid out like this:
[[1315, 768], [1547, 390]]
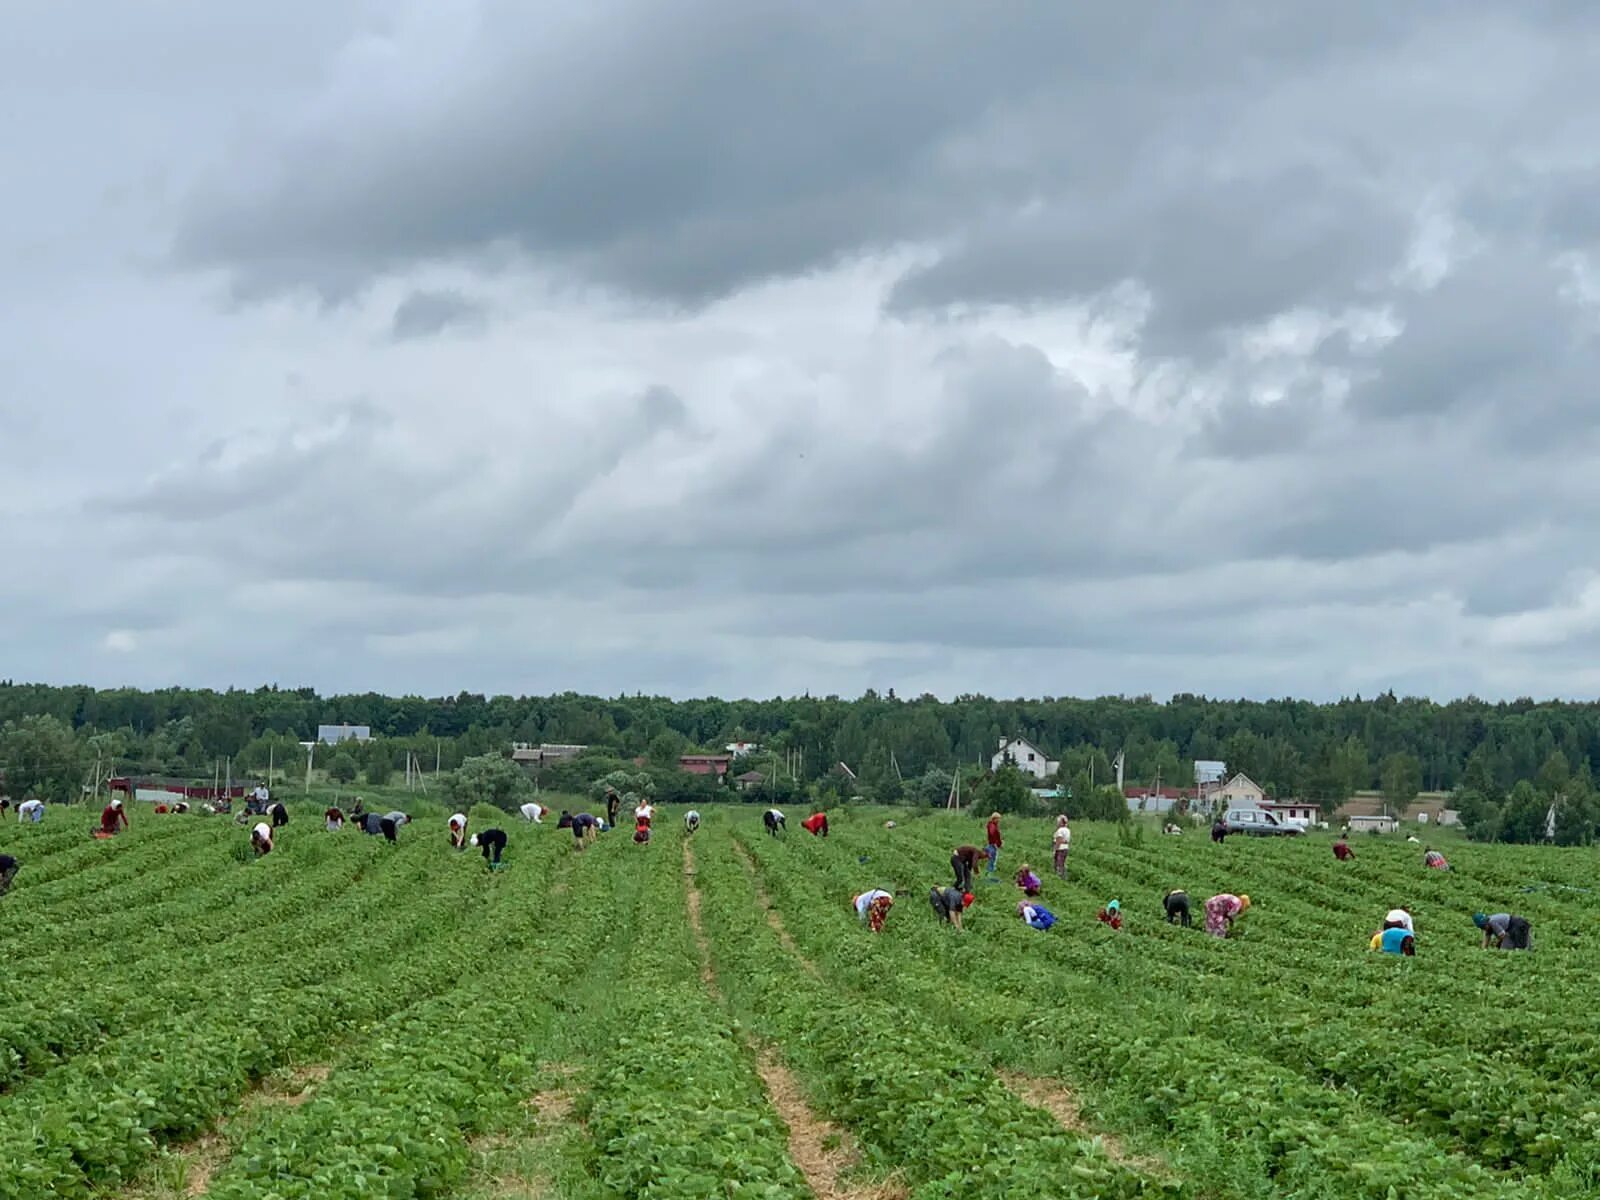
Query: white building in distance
[[332, 735], [1027, 757]]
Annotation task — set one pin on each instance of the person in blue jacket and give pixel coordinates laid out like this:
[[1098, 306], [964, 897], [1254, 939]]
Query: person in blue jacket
[[1036, 916], [1395, 939]]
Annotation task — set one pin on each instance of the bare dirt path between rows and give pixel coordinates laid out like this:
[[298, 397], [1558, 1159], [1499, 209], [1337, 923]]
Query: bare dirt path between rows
[[821, 1151]]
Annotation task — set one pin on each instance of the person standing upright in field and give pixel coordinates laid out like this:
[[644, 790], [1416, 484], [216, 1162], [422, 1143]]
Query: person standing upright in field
[[1219, 830], [1342, 851], [493, 842], [964, 862], [1222, 911], [994, 842], [816, 824], [1175, 904], [30, 810], [873, 908], [1505, 931], [113, 819], [644, 813], [613, 806], [458, 831], [1061, 844]]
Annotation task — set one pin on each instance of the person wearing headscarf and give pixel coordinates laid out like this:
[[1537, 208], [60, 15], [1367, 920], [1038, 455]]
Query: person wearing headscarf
[[1505, 931], [993, 841], [1111, 914], [1028, 881], [1222, 911], [261, 839], [493, 844], [1035, 916], [691, 821], [113, 818], [1433, 860], [1061, 844], [1399, 918], [458, 831], [948, 904], [873, 908], [1175, 904]]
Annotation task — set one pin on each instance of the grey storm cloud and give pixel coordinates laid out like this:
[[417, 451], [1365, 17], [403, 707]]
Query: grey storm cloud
[[742, 347]]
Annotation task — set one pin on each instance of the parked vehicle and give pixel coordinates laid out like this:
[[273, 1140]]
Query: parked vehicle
[[1259, 823]]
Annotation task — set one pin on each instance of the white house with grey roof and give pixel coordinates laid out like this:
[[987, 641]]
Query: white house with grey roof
[[1027, 758]]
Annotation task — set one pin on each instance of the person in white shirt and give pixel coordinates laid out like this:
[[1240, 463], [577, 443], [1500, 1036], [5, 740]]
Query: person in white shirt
[[644, 813], [873, 908], [533, 812], [261, 797], [458, 830], [31, 810], [773, 819], [1061, 840], [261, 838], [691, 820], [1399, 918]]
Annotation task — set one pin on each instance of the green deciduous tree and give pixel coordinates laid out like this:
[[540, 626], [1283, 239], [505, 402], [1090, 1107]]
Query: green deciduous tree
[[1401, 780], [42, 758], [488, 779], [343, 767]]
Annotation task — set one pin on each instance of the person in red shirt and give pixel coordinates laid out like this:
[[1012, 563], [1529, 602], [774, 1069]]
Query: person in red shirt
[[1342, 851], [993, 848], [816, 824], [113, 818]]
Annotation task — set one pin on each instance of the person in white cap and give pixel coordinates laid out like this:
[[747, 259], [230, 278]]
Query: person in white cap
[[112, 818], [493, 843], [261, 839], [458, 831]]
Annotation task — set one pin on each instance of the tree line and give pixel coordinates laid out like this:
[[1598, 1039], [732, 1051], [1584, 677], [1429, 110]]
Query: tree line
[[897, 749]]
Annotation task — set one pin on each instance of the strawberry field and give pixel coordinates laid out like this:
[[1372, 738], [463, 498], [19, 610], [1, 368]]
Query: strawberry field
[[704, 1016]]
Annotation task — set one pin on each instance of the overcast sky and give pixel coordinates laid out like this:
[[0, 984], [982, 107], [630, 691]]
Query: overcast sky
[[747, 348]]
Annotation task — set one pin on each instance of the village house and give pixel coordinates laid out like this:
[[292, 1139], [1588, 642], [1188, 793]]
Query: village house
[[705, 764], [533, 758], [750, 780], [1027, 758], [332, 735]]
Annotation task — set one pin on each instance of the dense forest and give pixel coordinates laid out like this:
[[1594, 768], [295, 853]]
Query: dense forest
[[899, 749]]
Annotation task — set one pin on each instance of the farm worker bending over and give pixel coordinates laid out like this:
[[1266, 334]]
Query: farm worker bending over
[[1395, 939], [261, 839], [566, 820], [1173, 828], [643, 813], [816, 824], [31, 810], [1505, 931], [1061, 843], [458, 831], [584, 828], [493, 843], [1028, 881], [1398, 918], [1219, 830], [773, 819], [1036, 916], [8, 872], [992, 849], [1176, 905], [374, 824], [1111, 915], [1433, 859], [398, 818], [333, 820], [691, 821], [1222, 911], [533, 812], [872, 907], [280, 815], [964, 862], [113, 818], [949, 904], [1342, 851]]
